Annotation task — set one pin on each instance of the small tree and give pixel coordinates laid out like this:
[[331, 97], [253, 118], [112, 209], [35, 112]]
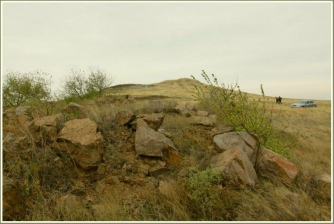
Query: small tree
[[75, 84], [97, 81], [19, 88], [79, 84]]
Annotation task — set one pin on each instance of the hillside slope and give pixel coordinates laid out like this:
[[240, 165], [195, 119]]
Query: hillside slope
[[183, 88]]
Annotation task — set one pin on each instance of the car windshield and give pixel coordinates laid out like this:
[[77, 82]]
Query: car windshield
[[303, 101]]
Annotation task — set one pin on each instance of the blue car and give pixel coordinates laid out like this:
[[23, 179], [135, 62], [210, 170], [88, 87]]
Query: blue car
[[304, 103]]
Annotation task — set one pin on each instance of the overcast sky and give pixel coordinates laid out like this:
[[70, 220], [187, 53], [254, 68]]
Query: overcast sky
[[284, 46]]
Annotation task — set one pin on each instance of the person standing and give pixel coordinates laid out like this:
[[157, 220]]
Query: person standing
[[280, 100]]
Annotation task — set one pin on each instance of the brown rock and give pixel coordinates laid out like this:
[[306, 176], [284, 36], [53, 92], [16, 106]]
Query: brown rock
[[234, 167], [124, 118], [159, 168], [202, 113], [272, 165], [165, 133], [182, 110], [46, 128], [204, 121], [324, 184], [221, 129], [190, 106], [80, 139], [243, 140], [154, 120], [151, 143]]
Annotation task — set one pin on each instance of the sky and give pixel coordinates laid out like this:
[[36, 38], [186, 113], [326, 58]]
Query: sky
[[285, 46]]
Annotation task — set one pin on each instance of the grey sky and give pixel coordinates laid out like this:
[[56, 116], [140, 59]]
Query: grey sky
[[284, 46]]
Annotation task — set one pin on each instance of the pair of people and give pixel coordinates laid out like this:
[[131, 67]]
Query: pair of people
[[279, 100]]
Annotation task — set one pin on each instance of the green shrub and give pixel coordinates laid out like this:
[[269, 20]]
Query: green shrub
[[208, 199], [235, 108], [20, 88]]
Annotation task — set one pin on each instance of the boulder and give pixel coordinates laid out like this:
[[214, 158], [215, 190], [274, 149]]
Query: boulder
[[324, 183], [202, 113], [80, 139], [154, 120], [46, 128], [14, 146], [204, 121], [245, 141], [234, 167], [165, 133], [151, 143], [272, 165], [190, 106], [159, 168], [221, 129], [10, 141], [182, 110], [124, 118]]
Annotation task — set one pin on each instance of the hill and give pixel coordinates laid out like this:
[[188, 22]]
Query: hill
[[183, 88]]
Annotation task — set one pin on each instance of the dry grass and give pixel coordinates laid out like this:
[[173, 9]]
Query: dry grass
[[269, 201]]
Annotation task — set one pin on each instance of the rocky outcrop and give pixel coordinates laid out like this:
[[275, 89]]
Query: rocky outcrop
[[140, 157], [80, 139], [272, 165]]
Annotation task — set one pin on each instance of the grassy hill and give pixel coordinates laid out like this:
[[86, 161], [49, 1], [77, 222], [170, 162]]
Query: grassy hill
[[175, 89], [137, 197]]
